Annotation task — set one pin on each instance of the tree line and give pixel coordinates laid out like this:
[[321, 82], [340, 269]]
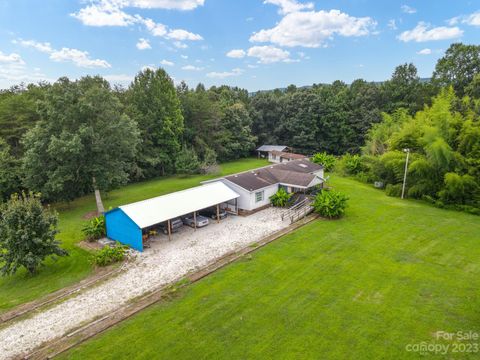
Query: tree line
[[72, 137]]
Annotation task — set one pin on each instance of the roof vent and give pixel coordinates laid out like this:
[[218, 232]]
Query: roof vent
[[302, 165]]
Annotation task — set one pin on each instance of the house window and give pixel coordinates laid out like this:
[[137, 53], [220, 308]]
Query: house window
[[259, 196]]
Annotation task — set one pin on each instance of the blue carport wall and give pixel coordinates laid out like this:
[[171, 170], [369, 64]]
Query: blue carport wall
[[122, 228]]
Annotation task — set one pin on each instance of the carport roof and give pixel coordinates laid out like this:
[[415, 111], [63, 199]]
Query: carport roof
[[162, 208]]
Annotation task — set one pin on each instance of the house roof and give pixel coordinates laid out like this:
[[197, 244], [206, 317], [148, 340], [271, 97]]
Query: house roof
[[162, 208], [268, 148], [286, 155], [297, 173]]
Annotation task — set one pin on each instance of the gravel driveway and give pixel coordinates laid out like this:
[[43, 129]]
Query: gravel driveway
[[165, 262]]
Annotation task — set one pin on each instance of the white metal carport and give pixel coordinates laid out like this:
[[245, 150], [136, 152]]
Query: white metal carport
[[157, 210]]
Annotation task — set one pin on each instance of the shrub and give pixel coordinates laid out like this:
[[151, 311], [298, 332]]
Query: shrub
[[394, 190], [324, 159], [187, 162], [280, 198], [330, 204], [459, 189], [95, 228], [109, 255], [27, 234], [349, 165]]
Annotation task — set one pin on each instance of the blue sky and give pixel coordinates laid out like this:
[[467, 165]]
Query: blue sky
[[255, 44]]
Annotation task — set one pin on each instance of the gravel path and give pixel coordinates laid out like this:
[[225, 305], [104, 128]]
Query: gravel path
[[163, 263]]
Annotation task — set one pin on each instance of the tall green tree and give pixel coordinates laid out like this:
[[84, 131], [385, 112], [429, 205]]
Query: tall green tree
[[153, 103], [27, 234], [458, 67], [18, 113], [82, 142], [10, 176]]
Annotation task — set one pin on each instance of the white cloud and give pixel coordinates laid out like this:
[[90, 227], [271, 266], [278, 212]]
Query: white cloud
[[184, 57], [111, 13], [268, 54], [166, 63], [192, 68], [104, 13], [180, 45], [43, 47], [78, 57], [119, 78], [251, 66], [392, 24], [408, 9], [289, 6], [225, 74], [236, 53], [13, 59], [166, 4], [472, 19], [180, 34], [143, 44], [425, 51], [156, 29], [312, 29], [424, 32]]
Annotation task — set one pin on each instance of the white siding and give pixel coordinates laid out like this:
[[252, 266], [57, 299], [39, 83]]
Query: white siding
[[267, 192], [273, 158]]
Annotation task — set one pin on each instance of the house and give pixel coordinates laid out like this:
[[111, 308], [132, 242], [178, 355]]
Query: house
[[255, 187], [129, 223], [275, 156], [265, 150]]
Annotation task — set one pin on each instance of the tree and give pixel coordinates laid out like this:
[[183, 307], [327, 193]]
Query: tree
[[458, 67], [236, 139], [404, 90], [10, 181], [18, 113], [82, 142], [27, 234], [187, 162], [153, 103]]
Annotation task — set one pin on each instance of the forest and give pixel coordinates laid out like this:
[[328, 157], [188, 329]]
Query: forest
[[72, 137]]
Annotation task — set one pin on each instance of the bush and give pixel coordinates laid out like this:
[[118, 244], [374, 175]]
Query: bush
[[109, 255], [280, 198], [27, 234], [187, 162], [324, 159], [95, 228], [330, 204], [394, 190], [349, 165]]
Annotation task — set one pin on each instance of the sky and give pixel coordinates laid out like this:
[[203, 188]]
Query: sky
[[254, 44]]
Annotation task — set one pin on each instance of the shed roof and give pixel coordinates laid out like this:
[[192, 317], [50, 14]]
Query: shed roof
[[162, 208], [268, 148], [290, 156]]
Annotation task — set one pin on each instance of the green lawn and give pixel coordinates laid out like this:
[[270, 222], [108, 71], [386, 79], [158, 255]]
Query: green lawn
[[390, 273], [20, 288]]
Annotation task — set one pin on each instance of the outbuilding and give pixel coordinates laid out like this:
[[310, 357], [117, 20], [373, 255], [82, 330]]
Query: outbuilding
[[126, 223]]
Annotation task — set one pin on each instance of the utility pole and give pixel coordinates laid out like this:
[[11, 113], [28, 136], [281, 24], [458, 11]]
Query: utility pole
[[405, 174]]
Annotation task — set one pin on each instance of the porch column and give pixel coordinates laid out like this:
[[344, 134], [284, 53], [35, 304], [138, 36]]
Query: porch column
[[195, 220], [169, 230], [218, 213]]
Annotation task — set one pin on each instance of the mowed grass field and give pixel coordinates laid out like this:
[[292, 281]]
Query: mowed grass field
[[21, 288], [389, 274]]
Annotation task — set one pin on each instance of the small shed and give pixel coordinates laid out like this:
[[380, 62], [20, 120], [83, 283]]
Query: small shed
[[265, 149], [126, 223]]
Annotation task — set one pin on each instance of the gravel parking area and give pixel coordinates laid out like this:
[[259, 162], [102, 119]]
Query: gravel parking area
[[165, 262]]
